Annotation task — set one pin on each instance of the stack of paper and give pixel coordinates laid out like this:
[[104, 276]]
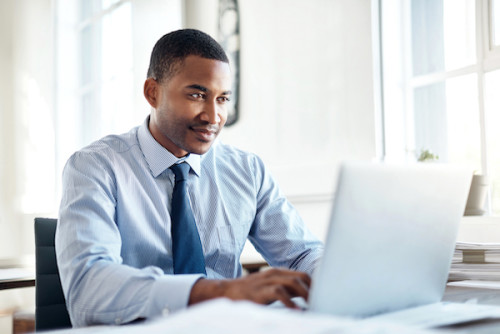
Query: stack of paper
[[476, 261]]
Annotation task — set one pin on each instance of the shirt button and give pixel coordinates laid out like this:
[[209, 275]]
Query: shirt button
[[165, 311]]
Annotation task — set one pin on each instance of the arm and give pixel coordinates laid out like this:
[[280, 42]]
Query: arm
[[278, 231], [98, 288]]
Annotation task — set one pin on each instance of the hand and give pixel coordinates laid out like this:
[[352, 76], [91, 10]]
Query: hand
[[263, 287]]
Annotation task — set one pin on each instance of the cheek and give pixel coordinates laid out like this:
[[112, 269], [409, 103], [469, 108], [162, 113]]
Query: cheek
[[223, 116], [173, 112]]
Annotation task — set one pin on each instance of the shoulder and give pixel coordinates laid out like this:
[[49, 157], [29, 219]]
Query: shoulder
[[113, 143], [231, 165], [233, 157], [105, 152]]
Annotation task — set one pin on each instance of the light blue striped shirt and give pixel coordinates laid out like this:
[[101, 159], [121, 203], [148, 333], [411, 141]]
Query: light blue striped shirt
[[113, 239]]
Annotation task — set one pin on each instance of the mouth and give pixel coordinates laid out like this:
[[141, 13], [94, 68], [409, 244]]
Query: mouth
[[205, 133]]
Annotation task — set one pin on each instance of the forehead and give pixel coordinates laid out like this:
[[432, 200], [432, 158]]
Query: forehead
[[210, 73]]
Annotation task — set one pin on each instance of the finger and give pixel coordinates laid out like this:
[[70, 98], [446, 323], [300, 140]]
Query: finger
[[297, 287], [281, 294], [277, 272], [296, 283]]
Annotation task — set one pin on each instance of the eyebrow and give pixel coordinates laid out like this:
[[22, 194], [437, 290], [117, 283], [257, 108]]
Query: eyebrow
[[198, 87], [205, 89]]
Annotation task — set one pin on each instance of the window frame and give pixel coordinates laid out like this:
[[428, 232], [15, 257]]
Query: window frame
[[487, 60], [492, 49]]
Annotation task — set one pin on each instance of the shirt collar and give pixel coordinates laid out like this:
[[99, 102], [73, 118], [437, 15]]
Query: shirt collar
[[159, 158]]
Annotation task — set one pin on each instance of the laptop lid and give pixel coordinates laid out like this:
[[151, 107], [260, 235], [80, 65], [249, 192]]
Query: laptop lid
[[391, 237]]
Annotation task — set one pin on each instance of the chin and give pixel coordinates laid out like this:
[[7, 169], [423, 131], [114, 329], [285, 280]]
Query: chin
[[200, 150], [197, 146]]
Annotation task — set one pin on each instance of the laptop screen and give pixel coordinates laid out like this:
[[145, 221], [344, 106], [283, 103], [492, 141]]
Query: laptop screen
[[391, 237]]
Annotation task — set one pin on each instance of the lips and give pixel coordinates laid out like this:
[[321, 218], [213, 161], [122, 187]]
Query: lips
[[205, 133]]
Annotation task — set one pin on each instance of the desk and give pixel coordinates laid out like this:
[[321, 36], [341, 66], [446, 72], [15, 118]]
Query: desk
[[253, 267], [16, 277], [17, 283]]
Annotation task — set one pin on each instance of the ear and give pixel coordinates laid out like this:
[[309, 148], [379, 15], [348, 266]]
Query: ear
[[151, 91]]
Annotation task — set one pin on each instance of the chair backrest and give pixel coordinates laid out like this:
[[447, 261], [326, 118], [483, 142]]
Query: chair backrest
[[51, 311]]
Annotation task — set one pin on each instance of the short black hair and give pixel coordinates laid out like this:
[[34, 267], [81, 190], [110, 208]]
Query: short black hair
[[171, 50]]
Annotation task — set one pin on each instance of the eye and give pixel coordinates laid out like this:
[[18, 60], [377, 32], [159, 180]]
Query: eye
[[223, 99], [197, 96]]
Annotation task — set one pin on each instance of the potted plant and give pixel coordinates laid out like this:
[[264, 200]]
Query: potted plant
[[427, 156], [478, 189]]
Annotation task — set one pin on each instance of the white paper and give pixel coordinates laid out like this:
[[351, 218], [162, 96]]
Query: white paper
[[477, 245], [227, 317], [477, 284], [224, 316]]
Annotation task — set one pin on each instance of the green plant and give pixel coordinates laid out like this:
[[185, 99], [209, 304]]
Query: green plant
[[426, 155]]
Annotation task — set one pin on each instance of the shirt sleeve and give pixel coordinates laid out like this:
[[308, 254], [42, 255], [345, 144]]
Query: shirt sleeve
[[98, 287], [278, 232]]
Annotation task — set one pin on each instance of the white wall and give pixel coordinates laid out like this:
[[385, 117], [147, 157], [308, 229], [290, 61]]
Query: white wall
[[307, 98]]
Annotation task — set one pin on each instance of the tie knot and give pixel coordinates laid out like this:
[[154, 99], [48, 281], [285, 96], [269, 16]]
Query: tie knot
[[181, 171]]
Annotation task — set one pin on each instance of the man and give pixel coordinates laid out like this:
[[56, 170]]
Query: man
[[114, 241]]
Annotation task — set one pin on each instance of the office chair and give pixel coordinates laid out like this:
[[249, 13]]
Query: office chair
[[50, 305]]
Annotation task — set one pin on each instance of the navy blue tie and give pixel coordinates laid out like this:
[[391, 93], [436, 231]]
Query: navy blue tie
[[186, 244]]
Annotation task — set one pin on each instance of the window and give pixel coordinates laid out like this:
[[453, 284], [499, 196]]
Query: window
[[95, 72], [441, 66], [103, 49], [105, 67], [495, 26]]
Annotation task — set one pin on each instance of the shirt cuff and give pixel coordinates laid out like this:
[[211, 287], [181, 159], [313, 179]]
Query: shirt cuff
[[170, 293]]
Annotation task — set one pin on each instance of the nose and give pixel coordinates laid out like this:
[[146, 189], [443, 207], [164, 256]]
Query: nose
[[210, 112]]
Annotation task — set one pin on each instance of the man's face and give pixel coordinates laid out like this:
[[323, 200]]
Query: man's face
[[190, 108]]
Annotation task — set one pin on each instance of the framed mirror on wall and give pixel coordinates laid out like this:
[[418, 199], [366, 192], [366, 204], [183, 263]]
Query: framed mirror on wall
[[229, 37]]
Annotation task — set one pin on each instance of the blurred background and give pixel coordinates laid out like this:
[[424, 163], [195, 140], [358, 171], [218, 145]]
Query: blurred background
[[320, 81]]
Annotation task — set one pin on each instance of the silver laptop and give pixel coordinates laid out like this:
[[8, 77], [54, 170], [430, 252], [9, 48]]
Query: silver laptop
[[391, 238]]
